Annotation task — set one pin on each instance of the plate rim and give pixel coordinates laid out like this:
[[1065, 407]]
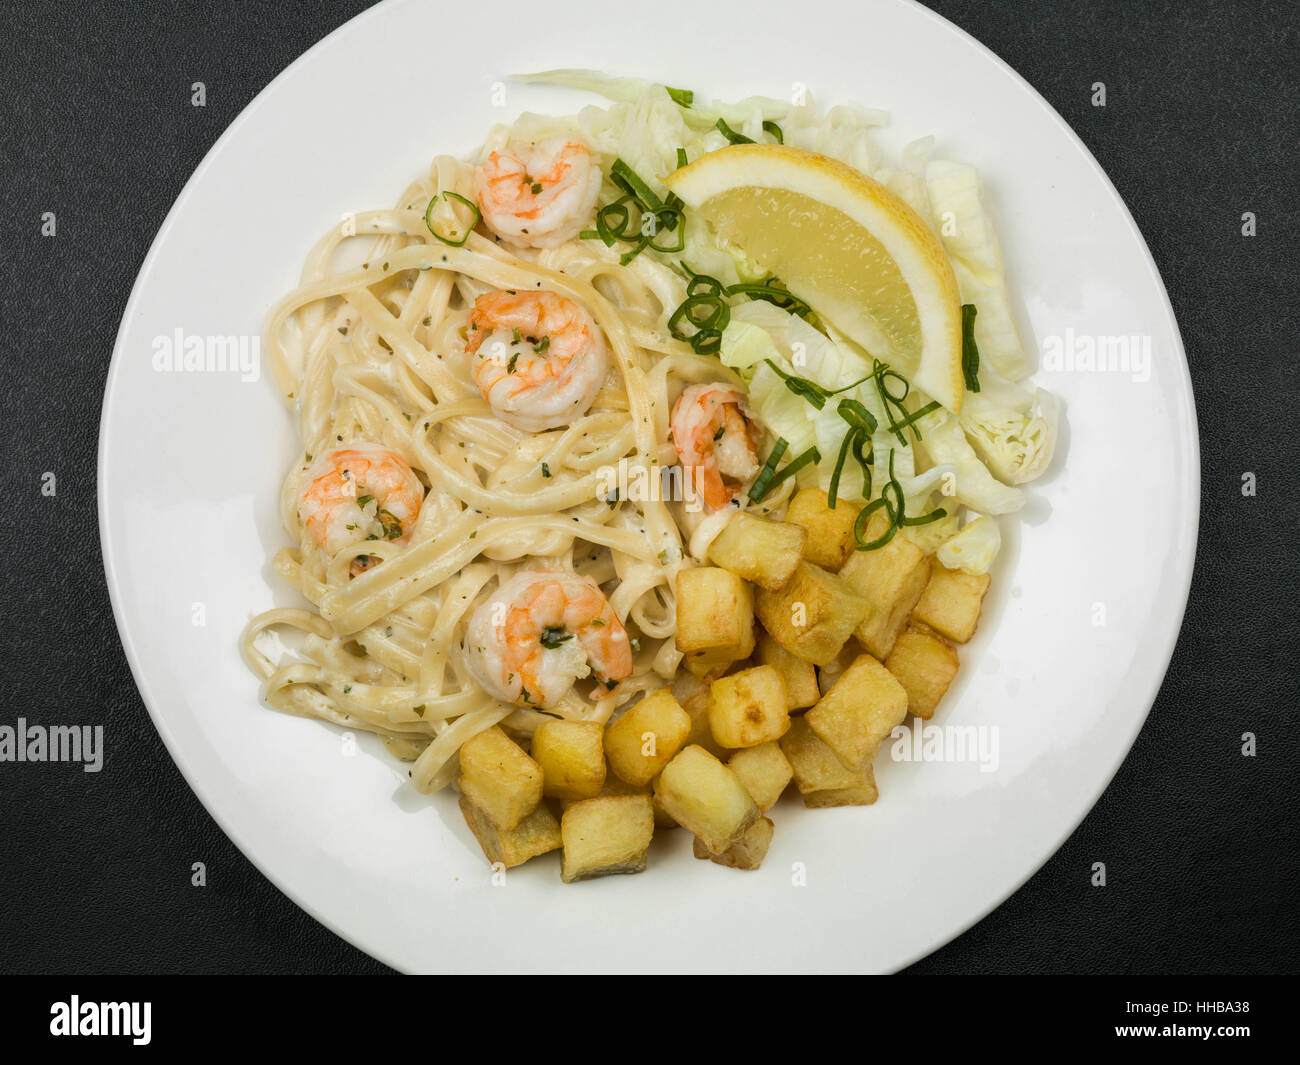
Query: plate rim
[[1184, 416]]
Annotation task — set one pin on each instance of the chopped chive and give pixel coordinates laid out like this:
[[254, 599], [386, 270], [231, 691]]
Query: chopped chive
[[554, 635], [707, 311], [759, 488], [811, 391], [771, 127], [811, 456], [773, 292], [685, 97], [970, 352], [681, 158], [731, 134]]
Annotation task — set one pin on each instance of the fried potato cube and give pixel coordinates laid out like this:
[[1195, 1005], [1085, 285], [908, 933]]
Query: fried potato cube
[[641, 742], [705, 798], [663, 819], [925, 665], [764, 771], [813, 615], [800, 677], [951, 602], [612, 786], [863, 706], [891, 579], [822, 779], [765, 552], [749, 707], [499, 778], [572, 758], [536, 834], [697, 708], [861, 793], [832, 670], [606, 835], [830, 531], [715, 619], [747, 852]]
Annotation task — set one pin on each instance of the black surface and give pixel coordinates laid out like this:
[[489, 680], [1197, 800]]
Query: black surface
[[1200, 843]]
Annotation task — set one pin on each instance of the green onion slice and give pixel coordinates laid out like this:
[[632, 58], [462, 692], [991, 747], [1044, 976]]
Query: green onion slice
[[428, 218], [759, 488], [731, 134], [970, 352]]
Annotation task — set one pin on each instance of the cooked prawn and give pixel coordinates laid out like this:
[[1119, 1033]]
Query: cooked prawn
[[715, 441], [538, 195], [539, 632], [540, 358], [360, 492]]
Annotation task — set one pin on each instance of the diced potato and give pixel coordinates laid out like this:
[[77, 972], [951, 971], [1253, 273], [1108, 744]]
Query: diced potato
[[762, 551], [828, 674], [749, 707], [641, 742], [715, 619], [800, 677], [891, 579], [951, 602], [925, 665], [612, 786], [498, 778], [697, 707], [747, 852], [714, 609], [764, 771], [663, 819], [820, 776], [606, 835], [536, 834], [862, 793], [572, 758], [813, 615], [859, 711], [830, 532], [705, 798]]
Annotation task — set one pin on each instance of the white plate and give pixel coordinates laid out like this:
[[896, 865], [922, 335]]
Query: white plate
[[1079, 626]]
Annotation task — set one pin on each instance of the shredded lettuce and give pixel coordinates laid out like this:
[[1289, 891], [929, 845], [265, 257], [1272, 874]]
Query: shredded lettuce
[[945, 443], [963, 224], [974, 548], [1013, 430]]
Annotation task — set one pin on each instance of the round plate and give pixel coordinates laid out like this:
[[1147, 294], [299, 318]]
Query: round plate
[[1078, 627]]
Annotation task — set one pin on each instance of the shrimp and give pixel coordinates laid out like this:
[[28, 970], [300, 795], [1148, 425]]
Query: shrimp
[[715, 441], [541, 359], [539, 632], [538, 195], [360, 492]]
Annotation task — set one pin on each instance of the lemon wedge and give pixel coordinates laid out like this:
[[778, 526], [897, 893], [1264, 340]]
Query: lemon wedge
[[857, 253]]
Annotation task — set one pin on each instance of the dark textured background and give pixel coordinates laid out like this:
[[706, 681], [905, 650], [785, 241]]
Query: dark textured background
[[1200, 843]]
